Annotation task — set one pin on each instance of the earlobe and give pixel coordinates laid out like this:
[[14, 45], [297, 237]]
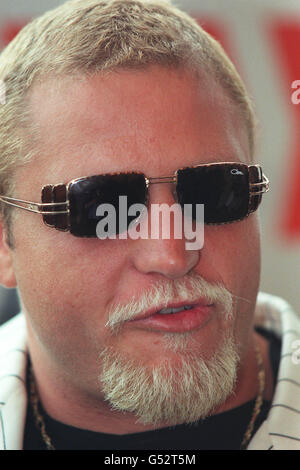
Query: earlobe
[[7, 274]]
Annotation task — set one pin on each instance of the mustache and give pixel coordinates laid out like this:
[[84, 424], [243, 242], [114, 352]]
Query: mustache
[[163, 293]]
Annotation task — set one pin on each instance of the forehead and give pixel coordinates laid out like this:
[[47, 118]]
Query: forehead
[[154, 121]]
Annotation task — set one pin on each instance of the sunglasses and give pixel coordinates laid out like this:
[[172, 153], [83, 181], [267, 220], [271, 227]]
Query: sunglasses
[[229, 191]]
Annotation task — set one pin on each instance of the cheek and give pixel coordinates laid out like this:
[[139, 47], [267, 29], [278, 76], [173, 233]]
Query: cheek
[[66, 283], [248, 254], [65, 293], [234, 252], [231, 255]]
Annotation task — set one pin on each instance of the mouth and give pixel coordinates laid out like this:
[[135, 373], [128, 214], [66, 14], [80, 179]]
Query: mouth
[[176, 318]]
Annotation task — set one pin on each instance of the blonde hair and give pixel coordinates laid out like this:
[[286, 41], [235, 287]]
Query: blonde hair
[[92, 36]]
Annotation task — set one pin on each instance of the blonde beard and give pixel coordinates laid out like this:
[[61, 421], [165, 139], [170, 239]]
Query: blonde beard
[[185, 386], [172, 392]]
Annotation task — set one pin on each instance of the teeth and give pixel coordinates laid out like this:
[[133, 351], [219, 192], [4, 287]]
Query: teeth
[[165, 311]]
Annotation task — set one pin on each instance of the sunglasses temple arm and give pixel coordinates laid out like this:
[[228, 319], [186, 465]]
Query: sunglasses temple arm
[[261, 187], [35, 206]]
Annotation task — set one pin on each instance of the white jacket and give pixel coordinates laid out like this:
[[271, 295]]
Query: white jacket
[[281, 429]]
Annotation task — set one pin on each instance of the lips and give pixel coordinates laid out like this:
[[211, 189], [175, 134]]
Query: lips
[[184, 317]]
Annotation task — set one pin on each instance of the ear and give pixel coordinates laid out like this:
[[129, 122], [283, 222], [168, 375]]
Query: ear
[[7, 274]]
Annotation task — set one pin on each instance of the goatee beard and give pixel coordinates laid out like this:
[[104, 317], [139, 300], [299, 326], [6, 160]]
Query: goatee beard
[[175, 391]]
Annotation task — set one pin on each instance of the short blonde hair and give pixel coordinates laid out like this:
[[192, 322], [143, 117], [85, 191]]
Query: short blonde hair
[[92, 36]]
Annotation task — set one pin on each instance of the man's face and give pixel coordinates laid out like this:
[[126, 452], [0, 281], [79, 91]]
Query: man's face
[[153, 121]]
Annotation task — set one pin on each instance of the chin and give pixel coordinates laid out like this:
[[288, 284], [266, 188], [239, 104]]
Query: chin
[[183, 387]]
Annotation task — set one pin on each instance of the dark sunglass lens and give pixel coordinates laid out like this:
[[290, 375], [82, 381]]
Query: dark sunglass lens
[[87, 194], [222, 188]]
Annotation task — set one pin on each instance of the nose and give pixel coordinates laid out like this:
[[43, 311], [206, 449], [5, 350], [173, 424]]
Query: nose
[[167, 253]]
